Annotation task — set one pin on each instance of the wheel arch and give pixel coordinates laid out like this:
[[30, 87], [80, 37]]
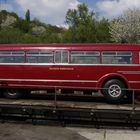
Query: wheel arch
[[111, 76]]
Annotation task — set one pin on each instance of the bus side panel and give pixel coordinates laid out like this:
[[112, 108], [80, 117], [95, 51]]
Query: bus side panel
[[68, 76]]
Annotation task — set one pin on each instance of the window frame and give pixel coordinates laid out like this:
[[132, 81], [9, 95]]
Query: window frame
[[85, 54], [117, 55], [13, 56], [39, 55], [62, 51]]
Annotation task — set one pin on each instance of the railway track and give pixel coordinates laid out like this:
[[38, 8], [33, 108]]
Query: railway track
[[70, 110]]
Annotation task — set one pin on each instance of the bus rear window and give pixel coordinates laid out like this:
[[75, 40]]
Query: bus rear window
[[116, 57]]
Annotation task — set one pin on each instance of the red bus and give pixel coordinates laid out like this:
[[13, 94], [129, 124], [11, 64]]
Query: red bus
[[111, 68]]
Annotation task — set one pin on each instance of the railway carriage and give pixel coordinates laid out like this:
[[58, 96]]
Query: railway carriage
[[114, 69]]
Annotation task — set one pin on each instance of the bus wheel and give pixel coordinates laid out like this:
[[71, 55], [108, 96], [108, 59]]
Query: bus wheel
[[12, 93], [114, 91]]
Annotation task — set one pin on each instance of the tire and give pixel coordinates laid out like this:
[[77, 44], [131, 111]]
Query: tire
[[114, 91], [13, 94]]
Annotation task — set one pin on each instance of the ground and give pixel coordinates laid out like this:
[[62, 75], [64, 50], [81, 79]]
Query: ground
[[13, 131]]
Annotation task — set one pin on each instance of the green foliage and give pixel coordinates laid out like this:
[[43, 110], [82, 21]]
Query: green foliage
[[21, 31], [23, 25], [84, 27], [55, 29], [10, 35], [4, 13], [14, 35], [36, 22], [102, 33]]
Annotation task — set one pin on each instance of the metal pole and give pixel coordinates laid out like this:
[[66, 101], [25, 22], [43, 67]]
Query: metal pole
[[55, 102], [133, 100]]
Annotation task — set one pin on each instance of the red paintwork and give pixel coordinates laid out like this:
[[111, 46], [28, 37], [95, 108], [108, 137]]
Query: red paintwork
[[68, 76]]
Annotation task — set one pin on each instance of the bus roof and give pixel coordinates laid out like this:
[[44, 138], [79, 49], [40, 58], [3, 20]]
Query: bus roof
[[71, 46]]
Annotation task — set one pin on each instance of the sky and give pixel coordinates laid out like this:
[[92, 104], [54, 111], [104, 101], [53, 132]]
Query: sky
[[54, 11]]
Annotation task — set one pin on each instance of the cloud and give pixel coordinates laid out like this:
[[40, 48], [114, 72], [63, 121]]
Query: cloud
[[50, 11], [114, 8], [5, 6]]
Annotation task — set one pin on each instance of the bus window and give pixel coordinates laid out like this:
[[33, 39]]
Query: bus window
[[11, 56], [39, 56], [116, 57], [61, 56], [85, 57]]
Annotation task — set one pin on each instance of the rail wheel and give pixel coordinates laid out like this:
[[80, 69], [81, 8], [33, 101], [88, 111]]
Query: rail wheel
[[25, 93], [12, 93], [87, 92], [114, 91]]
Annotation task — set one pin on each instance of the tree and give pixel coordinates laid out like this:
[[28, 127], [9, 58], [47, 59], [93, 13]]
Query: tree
[[81, 25], [126, 29], [102, 28], [10, 35], [27, 15], [23, 25]]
